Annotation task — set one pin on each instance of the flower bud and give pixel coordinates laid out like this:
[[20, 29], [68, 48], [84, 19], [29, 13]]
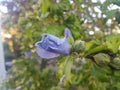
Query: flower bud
[[98, 34], [79, 46], [115, 63], [102, 59]]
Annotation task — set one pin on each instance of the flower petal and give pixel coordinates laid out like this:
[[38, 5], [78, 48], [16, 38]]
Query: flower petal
[[28, 54], [46, 54], [63, 48], [67, 33]]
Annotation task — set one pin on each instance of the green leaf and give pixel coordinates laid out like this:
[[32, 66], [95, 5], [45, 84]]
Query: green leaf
[[70, 40], [75, 80], [92, 44], [117, 16], [116, 2], [96, 49], [54, 29], [65, 66], [113, 43], [110, 14], [68, 65], [45, 5]]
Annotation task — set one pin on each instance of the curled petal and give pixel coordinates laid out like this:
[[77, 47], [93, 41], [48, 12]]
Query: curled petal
[[67, 33], [63, 48], [46, 54]]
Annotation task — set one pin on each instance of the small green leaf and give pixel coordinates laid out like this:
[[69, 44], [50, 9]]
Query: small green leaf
[[96, 49], [113, 42], [68, 65], [45, 5], [70, 40]]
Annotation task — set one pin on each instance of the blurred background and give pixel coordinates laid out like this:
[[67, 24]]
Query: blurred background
[[23, 22]]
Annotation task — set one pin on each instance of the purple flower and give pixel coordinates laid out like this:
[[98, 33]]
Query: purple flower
[[9, 64], [51, 46], [27, 54]]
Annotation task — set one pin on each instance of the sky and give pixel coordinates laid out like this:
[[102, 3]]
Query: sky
[[98, 0], [3, 8]]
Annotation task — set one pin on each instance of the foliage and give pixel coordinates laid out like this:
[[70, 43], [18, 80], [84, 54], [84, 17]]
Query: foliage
[[28, 75], [94, 61]]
